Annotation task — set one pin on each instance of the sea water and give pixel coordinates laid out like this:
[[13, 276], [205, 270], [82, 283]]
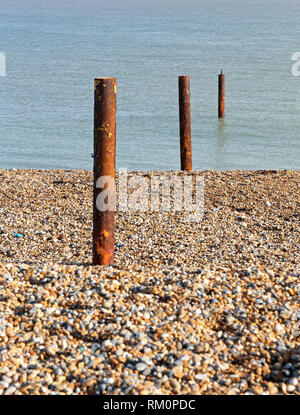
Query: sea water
[[54, 51]]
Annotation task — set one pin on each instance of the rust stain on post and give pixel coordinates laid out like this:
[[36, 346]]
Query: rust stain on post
[[221, 106], [104, 165], [185, 123]]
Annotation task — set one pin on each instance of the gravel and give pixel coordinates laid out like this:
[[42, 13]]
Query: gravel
[[187, 308]]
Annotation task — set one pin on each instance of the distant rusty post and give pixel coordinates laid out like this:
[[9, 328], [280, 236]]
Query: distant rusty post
[[185, 123], [104, 165], [221, 107]]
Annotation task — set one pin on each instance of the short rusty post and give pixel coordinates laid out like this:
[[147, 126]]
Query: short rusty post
[[221, 107], [104, 165], [185, 123]]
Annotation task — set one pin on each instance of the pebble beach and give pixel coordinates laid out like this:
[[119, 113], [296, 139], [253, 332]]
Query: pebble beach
[[187, 308]]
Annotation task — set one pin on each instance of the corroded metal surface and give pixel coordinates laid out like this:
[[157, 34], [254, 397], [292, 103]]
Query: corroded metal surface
[[104, 165], [185, 123], [221, 106]]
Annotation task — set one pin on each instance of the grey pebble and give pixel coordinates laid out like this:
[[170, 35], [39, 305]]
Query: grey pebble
[[140, 367]]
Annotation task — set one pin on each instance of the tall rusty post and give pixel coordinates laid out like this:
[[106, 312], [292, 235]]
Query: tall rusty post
[[104, 165], [185, 123], [221, 106]]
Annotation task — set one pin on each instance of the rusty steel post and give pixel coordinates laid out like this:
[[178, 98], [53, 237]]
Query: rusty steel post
[[221, 106], [185, 123], [104, 165]]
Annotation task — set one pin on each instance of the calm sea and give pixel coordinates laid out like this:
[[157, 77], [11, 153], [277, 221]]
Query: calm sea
[[54, 51]]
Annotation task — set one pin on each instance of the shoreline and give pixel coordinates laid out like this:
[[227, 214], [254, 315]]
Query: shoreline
[[197, 171]]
